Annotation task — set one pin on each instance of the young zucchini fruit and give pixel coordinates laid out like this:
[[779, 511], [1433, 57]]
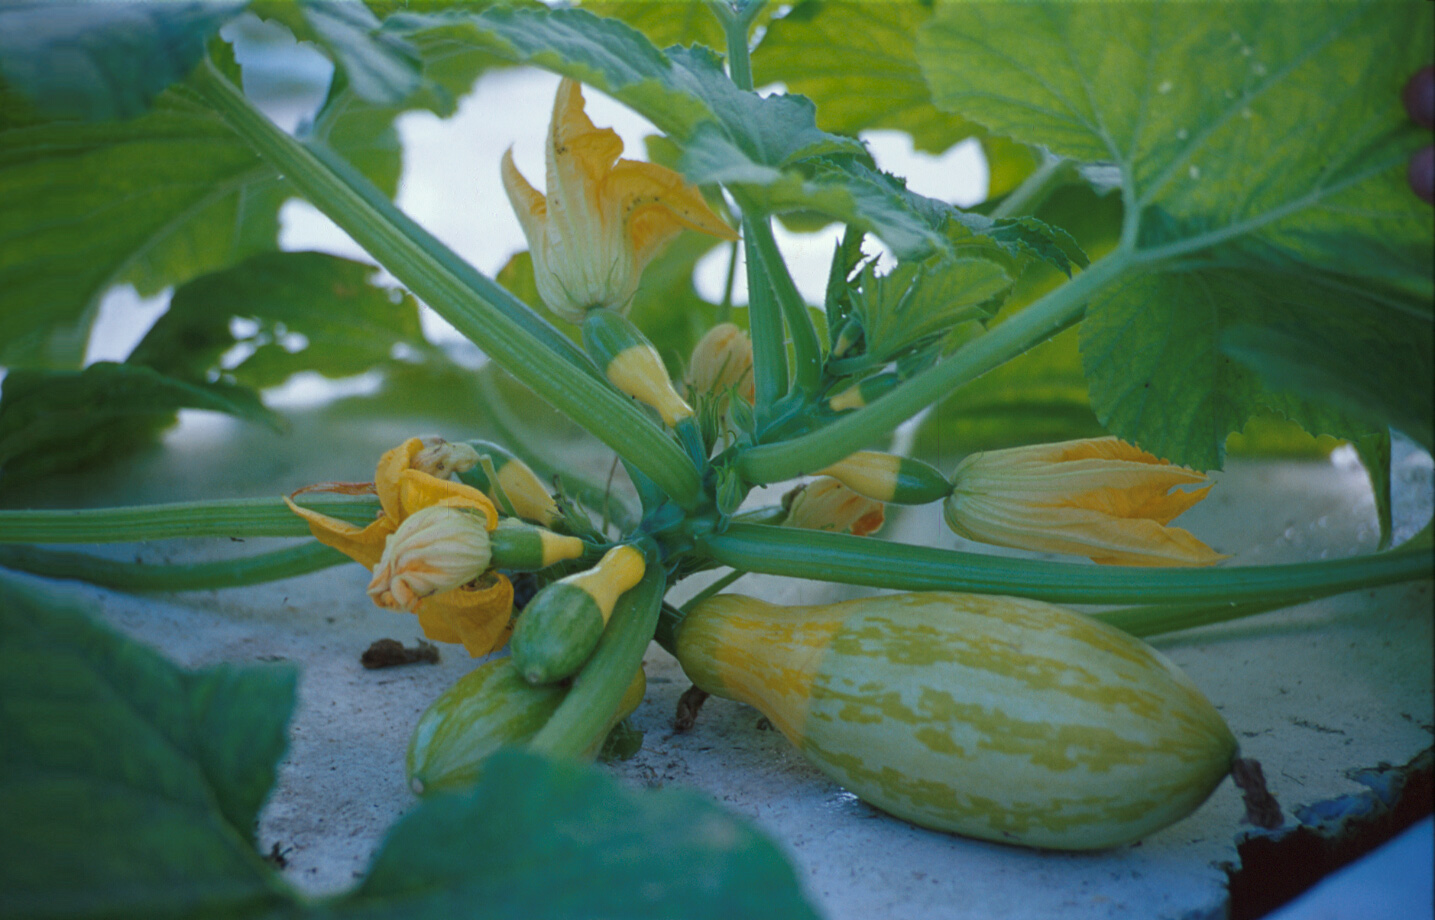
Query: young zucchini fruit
[[490, 707], [995, 717], [631, 363], [521, 547], [522, 487], [562, 623], [889, 478]]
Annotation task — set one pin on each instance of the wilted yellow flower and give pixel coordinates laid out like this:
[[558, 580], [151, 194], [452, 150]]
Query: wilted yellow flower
[[602, 219], [476, 612], [434, 550], [1101, 498], [826, 504], [722, 359]]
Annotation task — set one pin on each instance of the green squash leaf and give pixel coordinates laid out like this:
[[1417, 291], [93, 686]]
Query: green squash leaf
[[380, 68], [152, 201], [857, 61], [677, 90], [301, 311], [130, 787], [55, 421], [1262, 151], [667, 23], [103, 61], [540, 838]]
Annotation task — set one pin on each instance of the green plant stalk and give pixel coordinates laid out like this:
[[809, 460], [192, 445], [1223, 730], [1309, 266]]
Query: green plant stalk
[[1159, 619], [576, 723], [879, 564], [1046, 317], [769, 345], [196, 576], [806, 349], [1026, 197], [242, 517], [610, 416], [714, 588]]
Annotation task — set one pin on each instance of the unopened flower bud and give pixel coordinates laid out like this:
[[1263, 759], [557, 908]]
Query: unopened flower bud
[[826, 504], [723, 359], [435, 549]]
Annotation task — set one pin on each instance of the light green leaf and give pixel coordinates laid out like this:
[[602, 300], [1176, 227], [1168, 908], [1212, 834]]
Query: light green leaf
[[540, 838], [54, 421], [918, 300], [299, 311], [130, 787], [857, 61], [1262, 149], [667, 23], [103, 61]]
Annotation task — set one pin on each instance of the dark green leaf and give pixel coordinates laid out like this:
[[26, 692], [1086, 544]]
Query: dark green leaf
[[380, 68], [1374, 453], [302, 311], [151, 201], [1176, 386], [1263, 147], [130, 787], [546, 839], [53, 421], [677, 90], [103, 61], [918, 300]]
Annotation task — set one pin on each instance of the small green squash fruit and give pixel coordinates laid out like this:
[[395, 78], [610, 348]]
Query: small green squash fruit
[[490, 707], [563, 622]]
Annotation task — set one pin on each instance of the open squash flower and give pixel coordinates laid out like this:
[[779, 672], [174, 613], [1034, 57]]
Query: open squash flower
[[602, 219], [826, 504], [429, 549], [1101, 498]]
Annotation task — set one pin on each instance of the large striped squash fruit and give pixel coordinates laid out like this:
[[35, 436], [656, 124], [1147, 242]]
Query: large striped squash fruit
[[995, 717]]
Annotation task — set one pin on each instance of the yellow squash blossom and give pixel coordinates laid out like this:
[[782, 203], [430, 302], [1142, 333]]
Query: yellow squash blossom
[[826, 504], [456, 601], [602, 219], [1101, 498]]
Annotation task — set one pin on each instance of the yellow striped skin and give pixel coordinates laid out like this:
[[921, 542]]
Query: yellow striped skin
[[1000, 718]]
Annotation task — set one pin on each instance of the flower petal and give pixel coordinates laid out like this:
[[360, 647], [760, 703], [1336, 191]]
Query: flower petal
[[476, 614], [656, 204], [528, 203], [364, 545], [420, 490], [387, 474]]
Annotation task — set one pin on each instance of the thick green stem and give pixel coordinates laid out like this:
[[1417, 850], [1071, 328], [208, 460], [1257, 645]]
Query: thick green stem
[[1157, 619], [1032, 326], [590, 402], [880, 564], [584, 713], [806, 349], [243, 517], [769, 344], [196, 576]]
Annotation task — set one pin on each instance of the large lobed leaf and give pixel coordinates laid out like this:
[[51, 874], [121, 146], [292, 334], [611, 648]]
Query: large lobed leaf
[[1262, 151], [107, 61], [131, 787]]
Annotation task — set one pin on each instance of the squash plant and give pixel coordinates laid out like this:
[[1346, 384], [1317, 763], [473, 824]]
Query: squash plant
[[1185, 253]]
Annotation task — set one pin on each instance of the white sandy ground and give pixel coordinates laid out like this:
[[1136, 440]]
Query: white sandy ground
[[1311, 692]]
